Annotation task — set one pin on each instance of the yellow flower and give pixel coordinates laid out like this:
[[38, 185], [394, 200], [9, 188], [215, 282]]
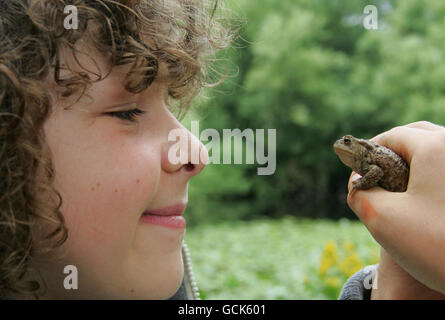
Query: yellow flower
[[328, 257], [332, 282], [349, 246], [330, 248], [350, 264]]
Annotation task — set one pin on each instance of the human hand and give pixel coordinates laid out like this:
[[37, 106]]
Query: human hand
[[410, 226]]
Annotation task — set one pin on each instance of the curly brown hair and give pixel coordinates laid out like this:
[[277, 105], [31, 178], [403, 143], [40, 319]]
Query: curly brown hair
[[181, 34]]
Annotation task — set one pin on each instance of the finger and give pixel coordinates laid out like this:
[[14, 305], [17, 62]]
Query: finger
[[425, 125], [402, 140], [377, 208], [354, 176]]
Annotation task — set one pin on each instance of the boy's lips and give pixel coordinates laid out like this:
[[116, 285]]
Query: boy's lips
[[175, 210], [170, 217]]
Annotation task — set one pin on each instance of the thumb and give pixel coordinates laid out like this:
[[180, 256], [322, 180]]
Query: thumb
[[377, 208]]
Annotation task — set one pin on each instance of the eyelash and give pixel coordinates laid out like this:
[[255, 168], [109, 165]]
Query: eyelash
[[127, 115]]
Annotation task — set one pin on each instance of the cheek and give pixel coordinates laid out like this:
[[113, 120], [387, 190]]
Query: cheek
[[105, 183], [104, 208]]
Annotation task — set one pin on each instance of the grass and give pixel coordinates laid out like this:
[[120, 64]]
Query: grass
[[278, 259]]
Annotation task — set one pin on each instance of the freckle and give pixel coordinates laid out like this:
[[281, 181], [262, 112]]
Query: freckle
[[115, 190], [98, 184], [368, 210], [131, 290], [92, 188], [137, 181]]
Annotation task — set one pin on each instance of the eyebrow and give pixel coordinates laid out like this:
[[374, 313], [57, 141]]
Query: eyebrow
[[114, 88], [114, 84]]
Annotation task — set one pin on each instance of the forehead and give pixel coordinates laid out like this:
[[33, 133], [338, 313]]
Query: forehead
[[108, 80]]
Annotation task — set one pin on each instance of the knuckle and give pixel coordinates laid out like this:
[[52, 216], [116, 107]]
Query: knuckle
[[399, 129], [393, 132], [435, 144], [387, 135], [420, 124]]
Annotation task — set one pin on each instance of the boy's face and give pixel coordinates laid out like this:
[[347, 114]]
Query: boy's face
[[109, 171]]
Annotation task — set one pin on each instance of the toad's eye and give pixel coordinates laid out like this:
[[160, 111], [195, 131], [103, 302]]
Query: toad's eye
[[127, 115], [347, 141]]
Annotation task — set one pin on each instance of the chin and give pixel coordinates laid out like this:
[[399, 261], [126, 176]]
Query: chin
[[168, 279], [174, 279]]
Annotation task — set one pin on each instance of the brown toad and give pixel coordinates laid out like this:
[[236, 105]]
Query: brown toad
[[376, 164]]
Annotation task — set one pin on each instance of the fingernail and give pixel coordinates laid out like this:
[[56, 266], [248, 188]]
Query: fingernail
[[355, 176]]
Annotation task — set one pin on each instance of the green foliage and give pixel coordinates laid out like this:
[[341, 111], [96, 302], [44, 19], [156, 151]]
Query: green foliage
[[287, 258]]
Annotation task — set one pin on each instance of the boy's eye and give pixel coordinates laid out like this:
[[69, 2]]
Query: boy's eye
[[128, 115]]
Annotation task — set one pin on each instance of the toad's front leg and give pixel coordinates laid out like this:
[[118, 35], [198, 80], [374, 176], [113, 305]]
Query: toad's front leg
[[370, 179]]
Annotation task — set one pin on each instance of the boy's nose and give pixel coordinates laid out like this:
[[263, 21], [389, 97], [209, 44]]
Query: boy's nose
[[187, 153]]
